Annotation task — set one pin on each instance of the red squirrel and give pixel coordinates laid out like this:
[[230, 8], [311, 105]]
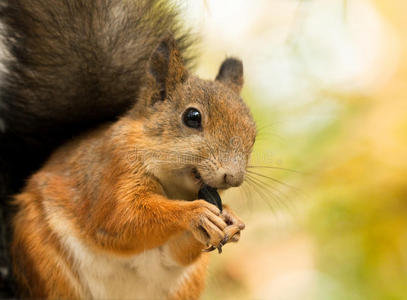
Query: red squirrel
[[113, 213]]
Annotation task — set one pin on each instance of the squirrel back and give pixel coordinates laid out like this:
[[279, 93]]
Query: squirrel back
[[67, 66]]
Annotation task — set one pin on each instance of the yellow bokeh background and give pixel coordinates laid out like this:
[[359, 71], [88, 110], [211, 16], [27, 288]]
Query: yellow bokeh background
[[327, 84]]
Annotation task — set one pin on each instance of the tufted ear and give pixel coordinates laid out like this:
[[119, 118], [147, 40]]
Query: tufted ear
[[231, 74], [167, 68]]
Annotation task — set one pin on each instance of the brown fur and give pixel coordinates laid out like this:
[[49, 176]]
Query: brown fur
[[68, 66], [113, 188]]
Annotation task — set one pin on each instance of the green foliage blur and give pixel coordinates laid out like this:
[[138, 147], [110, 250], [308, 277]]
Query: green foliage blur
[[331, 223]]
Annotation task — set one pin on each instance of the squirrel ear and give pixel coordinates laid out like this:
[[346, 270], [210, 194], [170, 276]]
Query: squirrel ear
[[231, 73], [166, 68]]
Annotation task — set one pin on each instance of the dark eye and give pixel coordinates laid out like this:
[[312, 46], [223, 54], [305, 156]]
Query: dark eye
[[192, 118]]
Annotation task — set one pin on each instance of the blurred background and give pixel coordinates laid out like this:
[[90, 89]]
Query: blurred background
[[325, 202]]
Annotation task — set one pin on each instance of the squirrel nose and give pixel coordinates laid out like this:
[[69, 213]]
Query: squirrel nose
[[233, 179]]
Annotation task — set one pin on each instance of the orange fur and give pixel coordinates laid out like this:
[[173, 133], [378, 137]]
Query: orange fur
[[111, 214], [111, 204]]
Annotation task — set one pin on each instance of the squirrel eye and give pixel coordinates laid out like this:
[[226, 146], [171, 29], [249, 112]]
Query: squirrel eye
[[192, 118]]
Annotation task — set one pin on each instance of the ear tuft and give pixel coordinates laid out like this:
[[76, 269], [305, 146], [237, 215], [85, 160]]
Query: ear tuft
[[166, 67], [231, 73]]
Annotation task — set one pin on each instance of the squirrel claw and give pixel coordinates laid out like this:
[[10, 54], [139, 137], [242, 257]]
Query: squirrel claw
[[224, 241], [211, 248], [221, 244]]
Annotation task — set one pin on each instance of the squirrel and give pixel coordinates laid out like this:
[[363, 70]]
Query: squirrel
[[128, 136]]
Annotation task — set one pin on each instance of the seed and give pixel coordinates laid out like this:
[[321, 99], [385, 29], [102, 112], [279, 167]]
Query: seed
[[211, 195]]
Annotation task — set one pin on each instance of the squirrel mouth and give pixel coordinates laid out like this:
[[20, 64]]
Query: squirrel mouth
[[197, 176]]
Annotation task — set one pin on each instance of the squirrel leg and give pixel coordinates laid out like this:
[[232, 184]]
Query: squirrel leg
[[153, 220]]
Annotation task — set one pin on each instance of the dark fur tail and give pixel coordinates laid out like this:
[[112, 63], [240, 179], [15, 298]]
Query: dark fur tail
[[66, 66]]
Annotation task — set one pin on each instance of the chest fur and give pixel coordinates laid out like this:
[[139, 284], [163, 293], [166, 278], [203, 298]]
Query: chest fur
[[152, 274]]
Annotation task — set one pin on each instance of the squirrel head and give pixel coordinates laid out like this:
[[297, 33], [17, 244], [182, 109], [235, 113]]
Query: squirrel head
[[200, 131]]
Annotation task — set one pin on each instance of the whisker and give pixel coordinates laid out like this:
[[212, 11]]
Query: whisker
[[263, 132], [275, 168], [284, 194], [243, 189], [261, 183], [265, 126], [272, 179], [275, 193], [258, 189]]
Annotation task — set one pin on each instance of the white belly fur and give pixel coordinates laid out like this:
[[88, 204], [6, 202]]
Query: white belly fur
[[152, 274]]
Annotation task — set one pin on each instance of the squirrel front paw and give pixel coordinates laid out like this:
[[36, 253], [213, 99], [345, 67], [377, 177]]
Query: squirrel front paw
[[232, 231], [234, 225], [207, 224]]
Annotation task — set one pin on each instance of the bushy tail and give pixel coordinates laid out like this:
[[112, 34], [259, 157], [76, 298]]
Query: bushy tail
[[66, 66], [74, 61]]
